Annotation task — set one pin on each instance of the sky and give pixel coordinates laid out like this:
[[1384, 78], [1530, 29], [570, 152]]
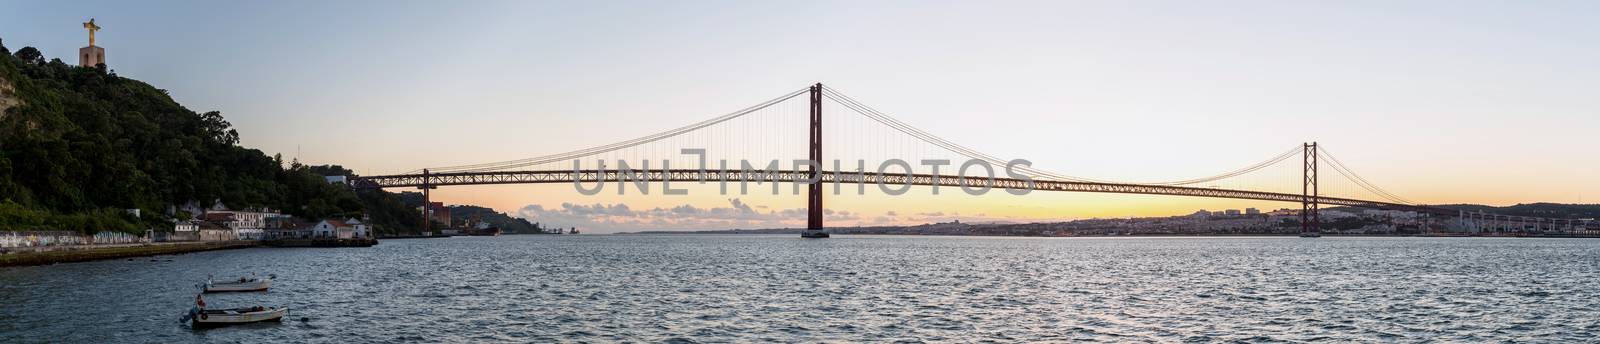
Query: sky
[[1486, 102]]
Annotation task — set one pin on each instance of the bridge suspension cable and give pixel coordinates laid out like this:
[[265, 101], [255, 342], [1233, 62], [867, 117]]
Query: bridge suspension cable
[[890, 121], [1351, 175], [502, 165], [864, 110]]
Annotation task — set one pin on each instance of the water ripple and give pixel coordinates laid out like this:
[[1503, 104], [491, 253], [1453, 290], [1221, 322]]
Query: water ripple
[[712, 289]]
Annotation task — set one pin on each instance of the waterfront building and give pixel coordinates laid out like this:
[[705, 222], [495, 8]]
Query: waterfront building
[[247, 224], [342, 229], [327, 228], [358, 229], [285, 227], [211, 231], [199, 230]]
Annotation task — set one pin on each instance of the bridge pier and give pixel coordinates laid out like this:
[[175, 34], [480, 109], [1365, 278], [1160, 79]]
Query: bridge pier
[[427, 204]]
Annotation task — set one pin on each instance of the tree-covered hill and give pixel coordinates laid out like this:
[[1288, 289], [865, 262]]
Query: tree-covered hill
[[80, 145]]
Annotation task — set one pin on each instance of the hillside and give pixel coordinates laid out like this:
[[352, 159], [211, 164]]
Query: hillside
[[1543, 209], [79, 146], [460, 214], [1546, 210], [508, 224]]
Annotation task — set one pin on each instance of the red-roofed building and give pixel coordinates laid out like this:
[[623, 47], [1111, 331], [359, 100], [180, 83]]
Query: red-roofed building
[[286, 227]]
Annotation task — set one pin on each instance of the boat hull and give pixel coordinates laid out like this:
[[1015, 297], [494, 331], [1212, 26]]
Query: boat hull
[[216, 318], [259, 285]]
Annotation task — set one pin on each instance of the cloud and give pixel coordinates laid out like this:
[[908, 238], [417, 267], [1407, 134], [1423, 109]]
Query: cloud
[[740, 206]]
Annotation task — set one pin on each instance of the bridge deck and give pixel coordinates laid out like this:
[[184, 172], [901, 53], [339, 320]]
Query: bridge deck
[[792, 176]]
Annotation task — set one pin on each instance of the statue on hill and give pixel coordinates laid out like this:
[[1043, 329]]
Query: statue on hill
[[91, 56], [92, 28]]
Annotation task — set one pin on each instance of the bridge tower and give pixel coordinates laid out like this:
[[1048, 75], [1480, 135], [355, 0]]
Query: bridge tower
[[1310, 218], [814, 227]]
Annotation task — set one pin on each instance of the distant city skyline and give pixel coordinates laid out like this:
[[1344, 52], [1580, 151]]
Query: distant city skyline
[[1441, 102]]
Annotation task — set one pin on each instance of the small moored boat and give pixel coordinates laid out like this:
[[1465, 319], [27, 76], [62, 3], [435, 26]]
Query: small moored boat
[[199, 317], [242, 284]]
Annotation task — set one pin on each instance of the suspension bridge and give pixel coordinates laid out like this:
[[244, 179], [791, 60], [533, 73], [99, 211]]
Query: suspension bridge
[[862, 134]]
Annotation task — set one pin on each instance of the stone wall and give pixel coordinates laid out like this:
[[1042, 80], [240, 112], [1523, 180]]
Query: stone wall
[[28, 239]]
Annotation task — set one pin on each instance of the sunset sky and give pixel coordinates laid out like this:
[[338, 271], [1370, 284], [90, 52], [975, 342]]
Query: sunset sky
[[1438, 101]]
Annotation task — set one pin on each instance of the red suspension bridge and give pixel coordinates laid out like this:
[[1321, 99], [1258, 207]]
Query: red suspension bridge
[[864, 134]]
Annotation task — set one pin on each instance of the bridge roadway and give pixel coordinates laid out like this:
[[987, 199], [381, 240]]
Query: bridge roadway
[[828, 177]]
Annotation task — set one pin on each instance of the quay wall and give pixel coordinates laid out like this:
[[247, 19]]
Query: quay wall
[[83, 253]]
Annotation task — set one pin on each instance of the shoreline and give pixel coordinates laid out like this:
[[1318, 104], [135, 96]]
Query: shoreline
[[1165, 235], [67, 254], [86, 254]]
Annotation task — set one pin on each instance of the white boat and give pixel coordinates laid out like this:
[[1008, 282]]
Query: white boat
[[199, 317], [242, 284]]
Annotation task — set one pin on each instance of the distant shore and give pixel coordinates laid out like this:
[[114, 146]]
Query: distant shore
[[1217, 235], [84, 254]]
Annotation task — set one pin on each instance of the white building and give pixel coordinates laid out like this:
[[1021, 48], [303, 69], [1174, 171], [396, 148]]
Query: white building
[[358, 229], [186, 226], [342, 229], [248, 225], [199, 230]]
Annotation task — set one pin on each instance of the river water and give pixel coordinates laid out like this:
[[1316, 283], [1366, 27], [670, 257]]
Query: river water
[[746, 288]]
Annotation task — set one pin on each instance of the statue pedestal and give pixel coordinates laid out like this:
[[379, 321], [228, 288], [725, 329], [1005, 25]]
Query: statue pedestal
[[90, 56]]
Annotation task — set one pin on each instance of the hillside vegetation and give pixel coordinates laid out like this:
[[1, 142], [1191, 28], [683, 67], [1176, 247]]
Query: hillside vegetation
[[79, 146]]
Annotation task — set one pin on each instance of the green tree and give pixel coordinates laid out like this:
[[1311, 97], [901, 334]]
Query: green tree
[[30, 55]]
